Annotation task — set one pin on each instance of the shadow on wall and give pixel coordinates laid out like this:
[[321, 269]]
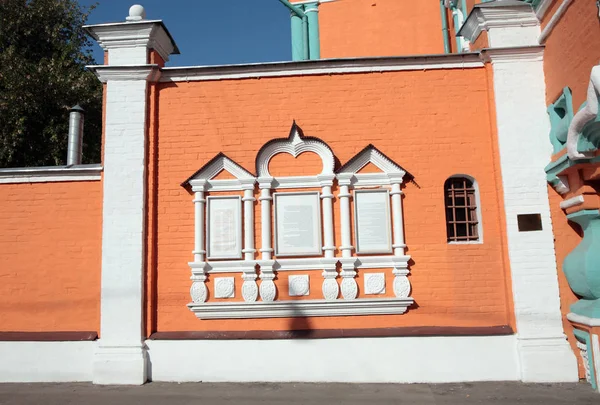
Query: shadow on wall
[[299, 325]]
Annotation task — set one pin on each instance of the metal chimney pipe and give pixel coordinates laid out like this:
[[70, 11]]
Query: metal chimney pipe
[[75, 147]]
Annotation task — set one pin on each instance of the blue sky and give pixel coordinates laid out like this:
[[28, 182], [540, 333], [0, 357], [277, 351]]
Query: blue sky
[[211, 32]]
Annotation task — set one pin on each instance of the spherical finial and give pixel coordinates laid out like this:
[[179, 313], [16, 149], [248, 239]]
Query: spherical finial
[[136, 13]]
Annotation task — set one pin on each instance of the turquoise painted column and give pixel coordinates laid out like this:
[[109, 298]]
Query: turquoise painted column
[[314, 44], [582, 265], [297, 37]]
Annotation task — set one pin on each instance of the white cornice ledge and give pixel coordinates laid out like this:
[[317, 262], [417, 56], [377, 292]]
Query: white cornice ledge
[[303, 308], [150, 73], [584, 320], [518, 53], [321, 67], [49, 174], [151, 34], [483, 18]]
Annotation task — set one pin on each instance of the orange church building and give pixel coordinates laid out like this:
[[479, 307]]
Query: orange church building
[[413, 198]]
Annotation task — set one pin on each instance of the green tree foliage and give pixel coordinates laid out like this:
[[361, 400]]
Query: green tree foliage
[[43, 53]]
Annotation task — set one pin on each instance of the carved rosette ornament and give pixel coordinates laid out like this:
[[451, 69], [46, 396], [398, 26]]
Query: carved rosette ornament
[[349, 288], [249, 287], [268, 290], [330, 289], [198, 292], [401, 286]]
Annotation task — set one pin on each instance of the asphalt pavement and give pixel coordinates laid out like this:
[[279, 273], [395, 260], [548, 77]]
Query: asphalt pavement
[[292, 394]]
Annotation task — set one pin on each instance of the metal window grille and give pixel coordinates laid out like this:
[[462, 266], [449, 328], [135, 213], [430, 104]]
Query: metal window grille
[[461, 210]]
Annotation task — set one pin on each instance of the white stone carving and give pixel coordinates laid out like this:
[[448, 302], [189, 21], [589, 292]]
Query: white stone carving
[[198, 292], [295, 144], [401, 286], [249, 287], [330, 289], [583, 352], [224, 287], [250, 291], [390, 171], [585, 115], [298, 285], [349, 288], [268, 290], [374, 283]]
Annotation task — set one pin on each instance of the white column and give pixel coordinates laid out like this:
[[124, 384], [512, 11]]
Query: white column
[[198, 290], [267, 288], [121, 356], [330, 286], [248, 200], [398, 224], [349, 286], [199, 212], [249, 286], [524, 149]]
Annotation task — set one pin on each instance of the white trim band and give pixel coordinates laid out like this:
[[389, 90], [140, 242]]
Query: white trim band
[[49, 174], [304, 308], [584, 320], [321, 67], [554, 21]]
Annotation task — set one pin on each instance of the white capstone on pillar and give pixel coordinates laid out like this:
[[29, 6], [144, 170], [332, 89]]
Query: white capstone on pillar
[[330, 286], [349, 286], [120, 357], [249, 286], [268, 290], [523, 127]]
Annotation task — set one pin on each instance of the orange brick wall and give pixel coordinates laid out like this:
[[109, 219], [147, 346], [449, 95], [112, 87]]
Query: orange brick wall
[[354, 28], [50, 254], [404, 114], [571, 50]]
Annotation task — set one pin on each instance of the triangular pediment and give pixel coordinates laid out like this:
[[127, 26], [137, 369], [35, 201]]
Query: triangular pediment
[[370, 158], [220, 170]]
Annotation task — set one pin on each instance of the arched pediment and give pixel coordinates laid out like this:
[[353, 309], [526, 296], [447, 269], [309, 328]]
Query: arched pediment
[[295, 144]]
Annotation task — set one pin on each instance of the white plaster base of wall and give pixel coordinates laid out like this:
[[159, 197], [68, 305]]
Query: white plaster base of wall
[[46, 361], [547, 360], [120, 365], [401, 359]]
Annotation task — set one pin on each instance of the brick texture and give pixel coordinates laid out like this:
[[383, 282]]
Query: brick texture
[[50, 256], [407, 115]]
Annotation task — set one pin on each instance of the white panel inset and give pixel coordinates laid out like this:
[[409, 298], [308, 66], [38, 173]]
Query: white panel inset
[[224, 287], [297, 224], [375, 283], [372, 221], [224, 227], [298, 285]]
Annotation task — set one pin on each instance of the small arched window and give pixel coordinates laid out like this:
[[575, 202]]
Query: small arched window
[[462, 223]]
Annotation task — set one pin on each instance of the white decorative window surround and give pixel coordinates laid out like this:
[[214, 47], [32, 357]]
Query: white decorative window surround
[[391, 176], [261, 300], [201, 182]]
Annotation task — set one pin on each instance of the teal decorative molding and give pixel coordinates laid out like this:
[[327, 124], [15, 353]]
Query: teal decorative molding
[[582, 265], [561, 114], [585, 347]]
